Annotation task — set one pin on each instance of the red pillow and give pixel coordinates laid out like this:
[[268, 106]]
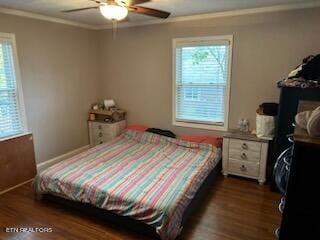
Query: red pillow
[[215, 141], [137, 127]]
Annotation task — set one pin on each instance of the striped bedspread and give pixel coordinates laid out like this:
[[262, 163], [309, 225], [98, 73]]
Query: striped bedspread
[[145, 176]]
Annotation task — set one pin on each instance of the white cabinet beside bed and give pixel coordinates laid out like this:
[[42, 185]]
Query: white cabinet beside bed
[[102, 132], [245, 155]]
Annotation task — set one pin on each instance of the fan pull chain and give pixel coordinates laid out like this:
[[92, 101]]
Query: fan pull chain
[[114, 29]]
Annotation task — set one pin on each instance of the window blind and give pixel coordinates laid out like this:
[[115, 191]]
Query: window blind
[[201, 82], [10, 117]]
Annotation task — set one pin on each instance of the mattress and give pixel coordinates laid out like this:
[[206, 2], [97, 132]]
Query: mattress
[[145, 176]]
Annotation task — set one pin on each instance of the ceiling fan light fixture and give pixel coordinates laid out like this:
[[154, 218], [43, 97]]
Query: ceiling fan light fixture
[[113, 11]]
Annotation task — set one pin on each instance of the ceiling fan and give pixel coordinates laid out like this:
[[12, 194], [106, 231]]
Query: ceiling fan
[[117, 10]]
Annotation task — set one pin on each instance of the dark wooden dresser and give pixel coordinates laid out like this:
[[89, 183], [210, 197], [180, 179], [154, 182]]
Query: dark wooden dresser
[[288, 108], [17, 161], [302, 202]]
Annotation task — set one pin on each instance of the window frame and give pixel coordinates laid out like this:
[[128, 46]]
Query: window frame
[[202, 41], [10, 37]]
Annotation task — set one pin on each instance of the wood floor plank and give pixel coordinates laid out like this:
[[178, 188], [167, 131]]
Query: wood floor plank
[[234, 209]]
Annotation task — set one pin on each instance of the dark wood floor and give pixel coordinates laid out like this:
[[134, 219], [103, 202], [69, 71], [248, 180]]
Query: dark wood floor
[[234, 209]]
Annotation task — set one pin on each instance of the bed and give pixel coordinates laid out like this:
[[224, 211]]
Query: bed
[[139, 175]]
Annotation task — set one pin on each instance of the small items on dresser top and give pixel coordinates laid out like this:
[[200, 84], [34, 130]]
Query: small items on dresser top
[[245, 155], [106, 112], [266, 120], [308, 117], [243, 125], [307, 128]]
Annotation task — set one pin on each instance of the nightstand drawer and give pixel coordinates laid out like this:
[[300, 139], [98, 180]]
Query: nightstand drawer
[[99, 140], [243, 168], [101, 133], [245, 145], [244, 155], [97, 126]]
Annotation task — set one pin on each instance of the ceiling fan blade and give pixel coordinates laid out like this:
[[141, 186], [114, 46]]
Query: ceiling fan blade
[[132, 2], [79, 9], [96, 1], [148, 11]]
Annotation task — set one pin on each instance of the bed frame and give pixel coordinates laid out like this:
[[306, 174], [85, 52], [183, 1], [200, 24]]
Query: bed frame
[[131, 223]]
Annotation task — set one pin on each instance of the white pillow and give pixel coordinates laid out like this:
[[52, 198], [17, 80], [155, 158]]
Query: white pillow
[[313, 125], [302, 119]]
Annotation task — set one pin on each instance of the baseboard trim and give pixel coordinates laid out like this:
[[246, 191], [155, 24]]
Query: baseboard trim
[[16, 186], [44, 165]]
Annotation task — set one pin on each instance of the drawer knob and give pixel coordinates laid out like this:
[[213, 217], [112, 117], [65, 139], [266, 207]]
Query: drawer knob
[[100, 134], [243, 156], [244, 146], [243, 168], [100, 142], [100, 127]]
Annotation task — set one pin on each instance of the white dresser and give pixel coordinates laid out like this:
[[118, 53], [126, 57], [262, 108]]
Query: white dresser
[[101, 132], [245, 155]]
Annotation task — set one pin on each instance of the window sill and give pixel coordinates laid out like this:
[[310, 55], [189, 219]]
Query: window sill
[[14, 136], [200, 126]]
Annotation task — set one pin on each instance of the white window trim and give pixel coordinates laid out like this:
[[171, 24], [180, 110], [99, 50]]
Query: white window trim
[[10, 37], [200, 40]]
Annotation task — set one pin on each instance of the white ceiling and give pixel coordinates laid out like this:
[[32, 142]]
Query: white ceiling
[[92, 17]]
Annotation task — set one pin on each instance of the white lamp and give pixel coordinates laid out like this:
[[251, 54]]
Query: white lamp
[[108, 103], [113, 11]]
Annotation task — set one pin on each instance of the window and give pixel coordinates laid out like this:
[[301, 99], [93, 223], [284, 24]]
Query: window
[[12, 120], [191, 94], [201, 82]]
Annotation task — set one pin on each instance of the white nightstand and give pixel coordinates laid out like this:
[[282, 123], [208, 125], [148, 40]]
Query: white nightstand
[[101, 132], [245, 155]]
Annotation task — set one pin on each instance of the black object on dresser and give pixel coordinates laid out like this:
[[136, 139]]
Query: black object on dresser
[[288, 105], [300, 219]]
